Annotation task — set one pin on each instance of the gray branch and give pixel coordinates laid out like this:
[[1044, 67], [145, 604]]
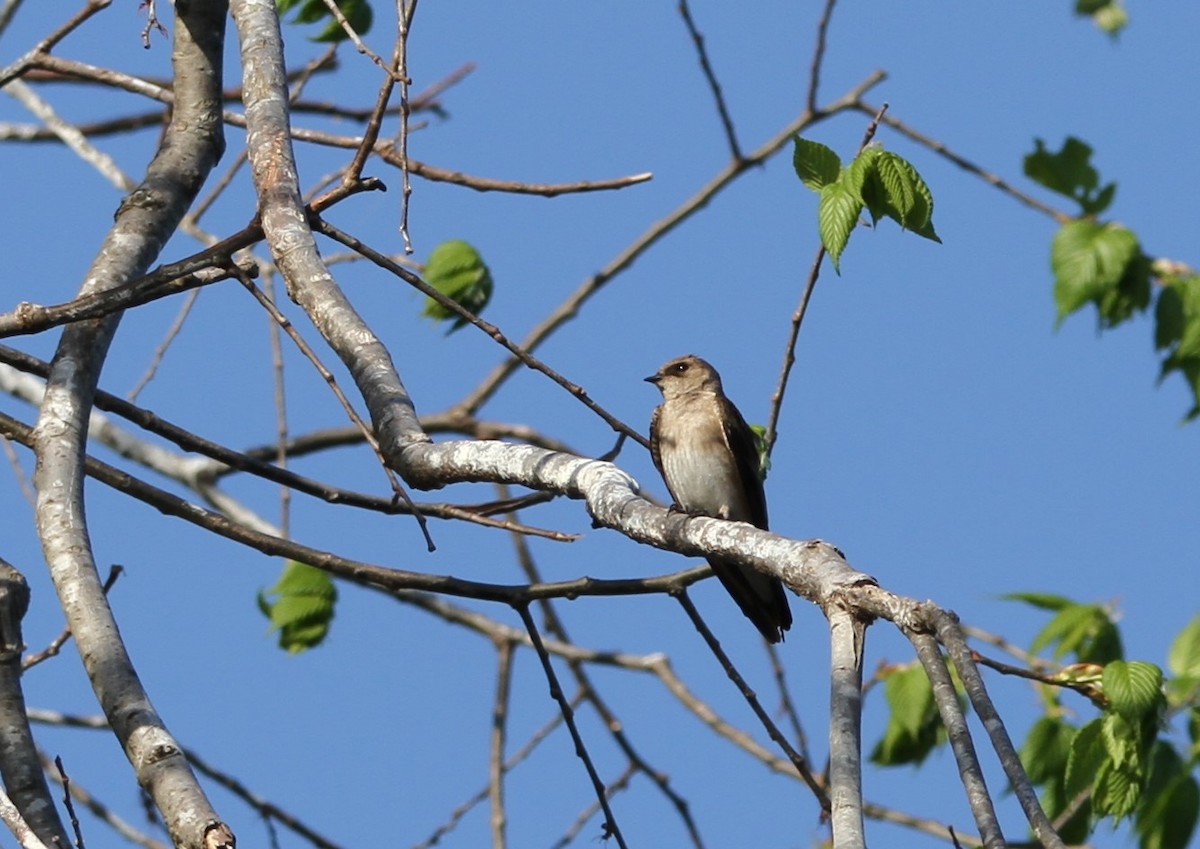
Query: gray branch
[[144, 222], [19, 765], [955, 721], [847, 634]]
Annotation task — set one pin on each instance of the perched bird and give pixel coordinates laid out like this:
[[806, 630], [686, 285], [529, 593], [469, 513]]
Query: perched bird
[[708, 457]]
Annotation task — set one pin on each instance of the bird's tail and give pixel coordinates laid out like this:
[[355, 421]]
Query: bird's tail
[[760, 597]]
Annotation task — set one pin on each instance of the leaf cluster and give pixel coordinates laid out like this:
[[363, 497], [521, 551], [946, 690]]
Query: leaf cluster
[[882, 182], [1117, 765], [1102, 263]]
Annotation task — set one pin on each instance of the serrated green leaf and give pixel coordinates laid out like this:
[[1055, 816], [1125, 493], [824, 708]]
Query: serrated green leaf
[[816, 165], [1116, 792], [860, 168], [837, 213], [898, 180], [458, 271], [1183, 658], [1088, 259], [1046, 749], [1134, 688], [891, 186], [300, 606]]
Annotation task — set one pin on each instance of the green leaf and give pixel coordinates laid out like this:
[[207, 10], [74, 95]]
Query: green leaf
[[1183, 658], [816, 165], [1089, 259], [1046, 749], [1045, 601], [1116, 792], [1069, 172], [300, 606], [760, 443], [914, 727], [457, 270], [891, 186], [1109, 15], [358, 14], [1168, 818], [1083, 629], [1134, 689], [837, 213], [1130, 295], [1086, 757]]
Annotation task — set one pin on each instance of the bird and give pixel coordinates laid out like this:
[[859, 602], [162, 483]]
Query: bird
[[708, 457]]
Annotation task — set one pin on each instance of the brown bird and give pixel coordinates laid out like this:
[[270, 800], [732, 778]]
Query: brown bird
[[708, 457]]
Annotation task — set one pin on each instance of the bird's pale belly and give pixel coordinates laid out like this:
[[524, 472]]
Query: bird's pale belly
[[700, 485]]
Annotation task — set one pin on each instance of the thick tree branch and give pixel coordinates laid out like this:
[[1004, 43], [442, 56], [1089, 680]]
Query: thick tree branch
[[145, 220]]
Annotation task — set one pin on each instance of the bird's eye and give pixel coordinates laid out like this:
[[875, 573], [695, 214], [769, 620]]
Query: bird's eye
[[681, 367]]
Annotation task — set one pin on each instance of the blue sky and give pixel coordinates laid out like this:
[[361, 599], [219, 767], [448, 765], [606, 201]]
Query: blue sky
[[939, 428]]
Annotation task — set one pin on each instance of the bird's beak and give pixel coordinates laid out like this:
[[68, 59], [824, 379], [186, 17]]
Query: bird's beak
[[654, 378]]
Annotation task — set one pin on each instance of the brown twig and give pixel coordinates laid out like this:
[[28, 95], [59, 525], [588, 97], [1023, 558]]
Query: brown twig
[[789, 348], [383, 261], [285, 323], [610, 827], [705, 66], [797, 759], [814, 72], [574, 302], [962, 162]]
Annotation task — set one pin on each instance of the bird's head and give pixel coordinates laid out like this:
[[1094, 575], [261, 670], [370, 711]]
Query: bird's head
[[684, 375]]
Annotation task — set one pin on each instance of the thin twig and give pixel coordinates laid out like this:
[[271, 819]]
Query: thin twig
[[383, 261], [504, 665], [160, 350], [789, 349], [285, 323], [967, 165], [610, 827], [404, 26], [574, 302], [798, 760], [814, 72], [70, 805], [58, 642], [705, 66]]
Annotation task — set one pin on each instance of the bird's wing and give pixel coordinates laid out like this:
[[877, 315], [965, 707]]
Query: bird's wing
[[655, 453], [744, 447]]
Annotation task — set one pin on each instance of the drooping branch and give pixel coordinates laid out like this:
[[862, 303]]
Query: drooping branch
[[955, 722]]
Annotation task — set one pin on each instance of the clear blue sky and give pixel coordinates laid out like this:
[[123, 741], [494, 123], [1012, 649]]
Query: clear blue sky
[[938, 429]]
